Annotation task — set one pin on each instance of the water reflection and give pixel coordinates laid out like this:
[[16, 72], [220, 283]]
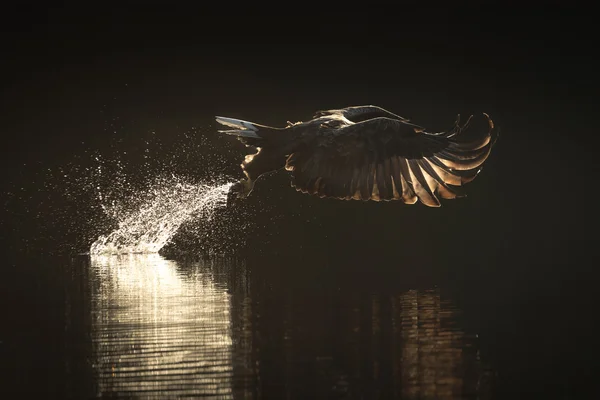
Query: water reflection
[[220, 329], [157, 332], [305, 343], [438, 359]]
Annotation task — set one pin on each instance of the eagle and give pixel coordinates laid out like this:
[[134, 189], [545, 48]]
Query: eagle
[[364, 153]]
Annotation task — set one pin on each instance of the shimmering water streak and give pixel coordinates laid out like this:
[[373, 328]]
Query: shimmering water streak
[[159, 331], [171, 203]]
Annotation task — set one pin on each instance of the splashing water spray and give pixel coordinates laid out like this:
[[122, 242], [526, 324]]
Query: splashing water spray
[[170, 203], [155, 191]]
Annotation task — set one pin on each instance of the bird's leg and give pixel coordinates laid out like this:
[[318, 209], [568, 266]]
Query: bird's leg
[[240, 190], [247, 186]]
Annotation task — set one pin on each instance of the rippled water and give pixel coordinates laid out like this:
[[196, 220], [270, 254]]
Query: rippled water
[[158, 331], [142, 326]]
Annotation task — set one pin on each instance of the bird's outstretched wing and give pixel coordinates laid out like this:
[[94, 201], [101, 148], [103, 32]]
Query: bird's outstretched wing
[[388, 159], [360, 113]]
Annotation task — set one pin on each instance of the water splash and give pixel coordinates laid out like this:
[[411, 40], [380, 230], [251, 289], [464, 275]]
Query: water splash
[[112, 189], [167, 205]]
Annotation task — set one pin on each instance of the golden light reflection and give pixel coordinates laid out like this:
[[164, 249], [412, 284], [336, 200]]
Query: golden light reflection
[[435, 352], [158, 332], [410, 345]]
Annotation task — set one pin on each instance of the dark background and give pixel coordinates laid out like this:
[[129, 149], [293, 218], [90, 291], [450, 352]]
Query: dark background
[[518, 251], [77, 78]]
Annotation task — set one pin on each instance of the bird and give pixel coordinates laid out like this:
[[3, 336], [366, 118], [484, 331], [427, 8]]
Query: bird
[[364, 153]]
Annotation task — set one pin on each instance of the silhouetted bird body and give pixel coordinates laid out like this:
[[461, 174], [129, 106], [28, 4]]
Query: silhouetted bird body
[[364, 153]]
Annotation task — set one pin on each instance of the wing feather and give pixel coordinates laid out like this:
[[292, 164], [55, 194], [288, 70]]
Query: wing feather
[[408, 180], [422, 186], [441, 184], [396, 176], [389, 159], [360, 113]]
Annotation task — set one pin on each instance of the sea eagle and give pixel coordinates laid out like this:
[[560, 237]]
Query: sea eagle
[[364, 153]]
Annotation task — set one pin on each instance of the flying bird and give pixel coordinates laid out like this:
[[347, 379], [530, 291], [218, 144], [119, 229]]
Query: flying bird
[[364, 153]]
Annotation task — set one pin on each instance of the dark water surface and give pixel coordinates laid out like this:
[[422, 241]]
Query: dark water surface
[[144, 326]]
